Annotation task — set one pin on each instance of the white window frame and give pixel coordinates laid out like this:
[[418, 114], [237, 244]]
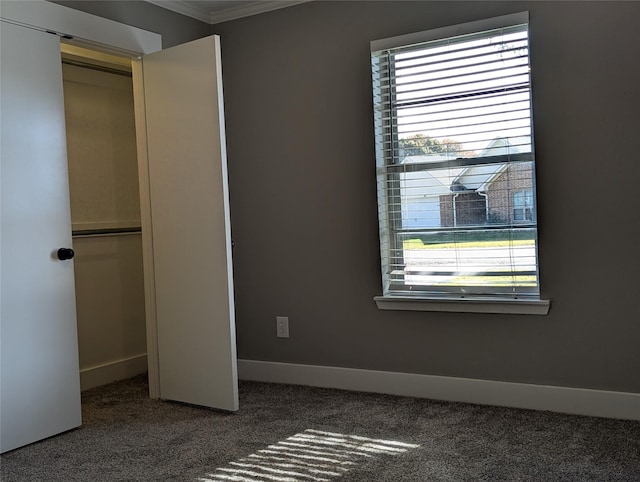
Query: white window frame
[[424, 300]]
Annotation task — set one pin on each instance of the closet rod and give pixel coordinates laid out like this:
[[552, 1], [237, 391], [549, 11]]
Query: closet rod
[[85, 233]]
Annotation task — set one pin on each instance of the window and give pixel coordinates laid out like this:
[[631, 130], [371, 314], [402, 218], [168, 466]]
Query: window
[[523, 206], [455, 162]]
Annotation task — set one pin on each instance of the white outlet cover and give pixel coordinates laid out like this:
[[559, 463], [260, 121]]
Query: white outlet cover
[[282, 326]]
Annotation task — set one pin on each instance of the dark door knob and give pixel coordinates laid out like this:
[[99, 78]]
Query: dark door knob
[[65, 253]]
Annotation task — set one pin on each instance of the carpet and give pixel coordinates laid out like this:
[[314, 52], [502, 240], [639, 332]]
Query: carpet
[[286, 433]]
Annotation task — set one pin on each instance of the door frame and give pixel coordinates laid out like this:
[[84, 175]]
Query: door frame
[[105, 35]]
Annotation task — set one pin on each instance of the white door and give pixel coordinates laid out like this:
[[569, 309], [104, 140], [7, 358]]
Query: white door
[[39, 378], [190, 225]]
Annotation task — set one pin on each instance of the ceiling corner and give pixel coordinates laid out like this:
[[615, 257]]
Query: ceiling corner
[[184, 8], [218, 11], [252, 8]]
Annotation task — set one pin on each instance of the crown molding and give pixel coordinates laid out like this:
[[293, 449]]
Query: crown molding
[[232, 13], [183, 9], [252, 9]]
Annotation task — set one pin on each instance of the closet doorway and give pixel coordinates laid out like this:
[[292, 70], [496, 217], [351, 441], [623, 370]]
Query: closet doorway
[[184, 206], [105, 215]]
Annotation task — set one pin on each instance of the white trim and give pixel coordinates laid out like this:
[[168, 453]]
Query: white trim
[[147, 228], [184, 8], [225, 14], [112, 371], [450, 31], [253, 9], [464, 305], [579, 401], [81, 26]]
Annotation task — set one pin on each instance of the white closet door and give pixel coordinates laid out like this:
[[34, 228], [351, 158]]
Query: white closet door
[[190, 225], [40, 382]]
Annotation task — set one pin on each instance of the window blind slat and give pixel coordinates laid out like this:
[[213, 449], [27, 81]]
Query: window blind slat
[[483, 65], [490, 53], [457, 45]]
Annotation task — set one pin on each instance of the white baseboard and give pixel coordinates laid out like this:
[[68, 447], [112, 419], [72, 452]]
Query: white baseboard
[[579, 401], [112, 371]]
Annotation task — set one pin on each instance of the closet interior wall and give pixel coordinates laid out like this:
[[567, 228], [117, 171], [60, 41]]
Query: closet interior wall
[[105, 214]]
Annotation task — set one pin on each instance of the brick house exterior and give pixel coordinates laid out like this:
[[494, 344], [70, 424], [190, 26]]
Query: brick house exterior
[[469, 196], [494, 201], [516, 178], [469, 208]]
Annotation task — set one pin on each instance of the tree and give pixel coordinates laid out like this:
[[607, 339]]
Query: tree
[[421, 144]]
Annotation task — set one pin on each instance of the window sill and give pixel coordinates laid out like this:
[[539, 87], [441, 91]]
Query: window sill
[[464, 305]]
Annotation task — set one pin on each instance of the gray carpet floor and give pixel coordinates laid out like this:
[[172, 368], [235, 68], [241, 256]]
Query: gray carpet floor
[[286, 433]]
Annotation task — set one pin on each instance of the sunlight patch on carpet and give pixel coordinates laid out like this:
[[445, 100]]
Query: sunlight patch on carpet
[[310, 456]]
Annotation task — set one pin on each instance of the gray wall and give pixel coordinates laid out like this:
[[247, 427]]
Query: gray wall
[[174, 28], [303, 198]]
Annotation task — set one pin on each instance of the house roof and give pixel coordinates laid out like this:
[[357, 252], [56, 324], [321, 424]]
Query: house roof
[[478, 178], [473, 178], [438, 181]]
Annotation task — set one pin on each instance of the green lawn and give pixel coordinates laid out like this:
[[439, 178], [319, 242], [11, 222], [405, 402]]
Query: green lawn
[[418, 244], [508, 280]]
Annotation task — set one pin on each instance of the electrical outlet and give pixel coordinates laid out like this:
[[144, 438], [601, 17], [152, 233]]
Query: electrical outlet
[[282, 326]]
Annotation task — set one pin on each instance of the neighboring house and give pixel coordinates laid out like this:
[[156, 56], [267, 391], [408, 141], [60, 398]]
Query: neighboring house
[[483, 194], [422, 192]]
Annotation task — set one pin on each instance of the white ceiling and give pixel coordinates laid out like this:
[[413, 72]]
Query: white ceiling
[[216, 11]]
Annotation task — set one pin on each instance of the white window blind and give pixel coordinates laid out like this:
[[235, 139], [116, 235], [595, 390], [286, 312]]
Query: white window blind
[[455, 161]]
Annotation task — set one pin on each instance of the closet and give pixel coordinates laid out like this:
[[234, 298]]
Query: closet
[[105, 215]]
